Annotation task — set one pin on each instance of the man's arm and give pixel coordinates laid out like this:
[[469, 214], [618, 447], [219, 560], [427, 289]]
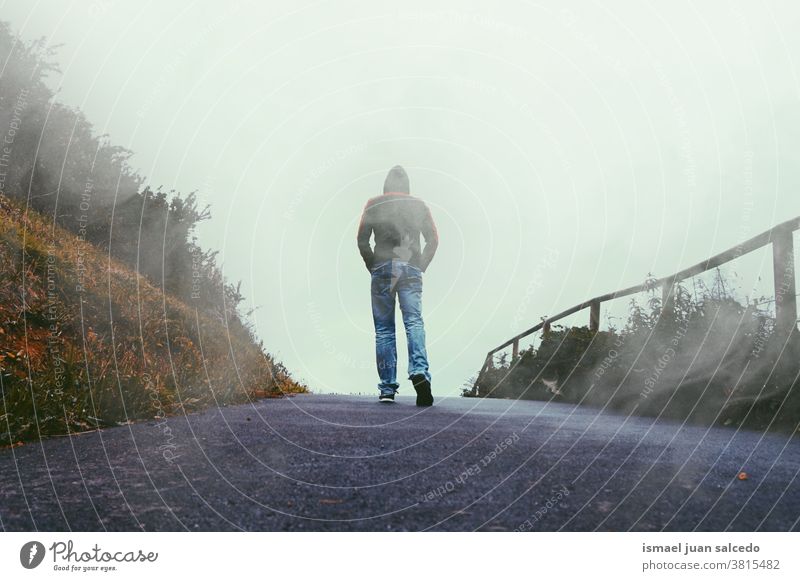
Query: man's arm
[[364, 233], [431, 239]]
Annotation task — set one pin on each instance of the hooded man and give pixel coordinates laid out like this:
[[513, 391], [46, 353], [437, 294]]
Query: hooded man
[[396, 264]]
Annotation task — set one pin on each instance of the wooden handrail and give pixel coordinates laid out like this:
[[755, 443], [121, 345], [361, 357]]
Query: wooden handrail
[[779, 236]]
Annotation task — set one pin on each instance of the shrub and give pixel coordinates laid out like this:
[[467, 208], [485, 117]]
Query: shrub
[[708, 359]]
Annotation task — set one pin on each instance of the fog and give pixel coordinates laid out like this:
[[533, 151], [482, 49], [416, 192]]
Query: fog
[[564, 152]]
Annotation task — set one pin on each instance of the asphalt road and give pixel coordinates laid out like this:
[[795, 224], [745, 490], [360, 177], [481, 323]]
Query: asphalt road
[[349, 463]]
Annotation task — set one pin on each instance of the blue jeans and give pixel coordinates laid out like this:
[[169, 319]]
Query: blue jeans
[[401, 279]]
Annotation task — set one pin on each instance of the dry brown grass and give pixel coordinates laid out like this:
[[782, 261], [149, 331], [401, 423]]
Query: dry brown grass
[[81, 350]]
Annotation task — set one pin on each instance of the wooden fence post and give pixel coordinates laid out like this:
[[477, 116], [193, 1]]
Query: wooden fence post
[[515, 349], [784, 277], [594, 316], [667, 298], [487, 364]]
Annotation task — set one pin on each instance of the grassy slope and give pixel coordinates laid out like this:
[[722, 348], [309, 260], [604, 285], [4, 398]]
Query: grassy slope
[[115, 350]]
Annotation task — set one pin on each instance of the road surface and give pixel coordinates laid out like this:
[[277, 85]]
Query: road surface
[[322, 462]]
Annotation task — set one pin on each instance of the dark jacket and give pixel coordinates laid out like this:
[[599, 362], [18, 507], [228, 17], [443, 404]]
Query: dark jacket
[[397, 219]]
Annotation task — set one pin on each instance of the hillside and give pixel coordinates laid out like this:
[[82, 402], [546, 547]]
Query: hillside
[[85, 342]]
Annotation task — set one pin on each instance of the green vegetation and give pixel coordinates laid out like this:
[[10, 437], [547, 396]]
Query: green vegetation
[[709, 360], [109, 309], [56, 164]]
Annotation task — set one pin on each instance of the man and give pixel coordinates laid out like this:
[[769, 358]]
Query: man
[[396, 264]]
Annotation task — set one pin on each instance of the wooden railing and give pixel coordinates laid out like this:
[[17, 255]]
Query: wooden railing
[[783, 276]]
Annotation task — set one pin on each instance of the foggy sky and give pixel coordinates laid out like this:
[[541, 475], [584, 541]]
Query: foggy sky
[[564, 152]]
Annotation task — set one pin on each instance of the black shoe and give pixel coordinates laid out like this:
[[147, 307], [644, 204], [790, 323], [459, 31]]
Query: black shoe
[[386, 398], [423, 388]]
